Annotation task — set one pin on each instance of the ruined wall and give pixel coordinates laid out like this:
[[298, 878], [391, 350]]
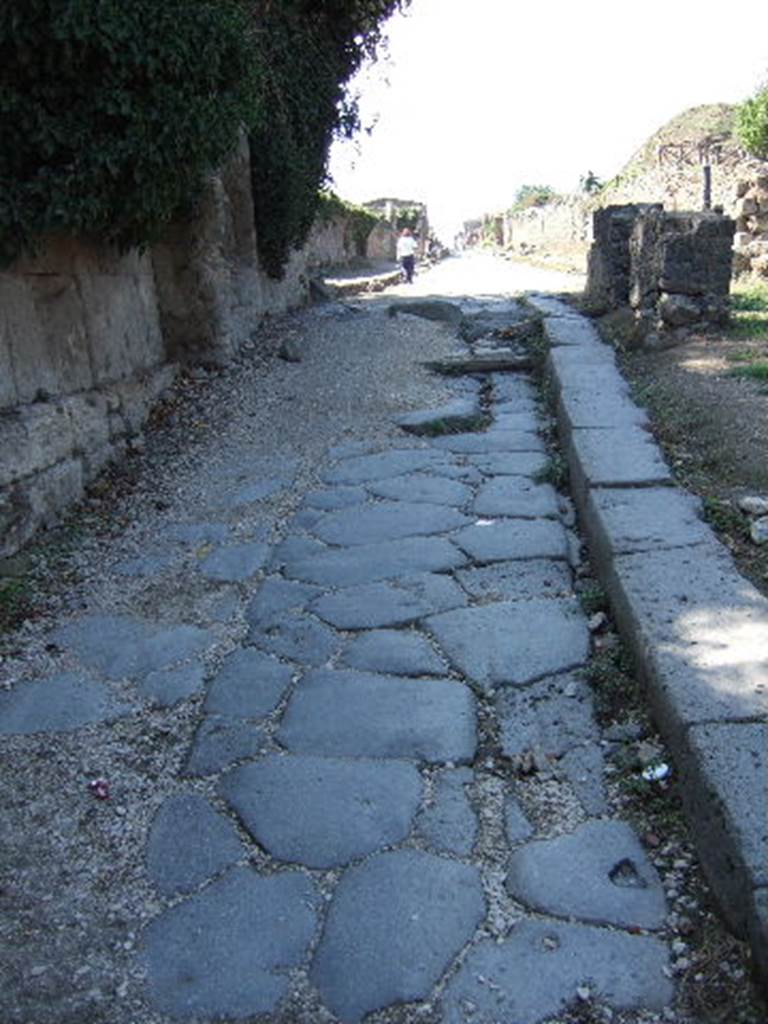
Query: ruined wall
[[565, 224], [82, 360], [751, 239]]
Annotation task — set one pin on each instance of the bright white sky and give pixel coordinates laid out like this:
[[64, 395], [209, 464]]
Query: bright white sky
[[488, 95]]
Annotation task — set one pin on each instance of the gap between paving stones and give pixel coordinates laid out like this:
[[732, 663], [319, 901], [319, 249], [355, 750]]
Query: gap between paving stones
[[698, 630]]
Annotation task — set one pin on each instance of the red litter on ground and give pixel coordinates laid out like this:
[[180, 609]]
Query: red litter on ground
[[99, 788]]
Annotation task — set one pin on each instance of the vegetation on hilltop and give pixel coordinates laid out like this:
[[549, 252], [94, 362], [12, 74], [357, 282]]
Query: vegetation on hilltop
[[752, 123]]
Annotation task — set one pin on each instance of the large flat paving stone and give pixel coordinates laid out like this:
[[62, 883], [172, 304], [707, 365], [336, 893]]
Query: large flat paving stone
[[122, 647], [387, 521], [189, 843], [599, 874], [533, 975], [510, 643], [423, 487], [506, 539], [458, 413], [396, 652], [331, 498], [369, 563], [364, 468], [298, 637], [517, 581], [220, 741], [355, 714], [627, 520], [236, 562], [324, 812], [449, 824], [390, 604], [510, 463], [513, 389], [217, 955], [491, 441], [516, 496], [58, 703], [168, 686], [626, 456], [394, 926], [274, 598], [248, 684]]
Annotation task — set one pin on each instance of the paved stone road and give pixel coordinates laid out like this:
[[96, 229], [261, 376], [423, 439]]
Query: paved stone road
[[371, 840]]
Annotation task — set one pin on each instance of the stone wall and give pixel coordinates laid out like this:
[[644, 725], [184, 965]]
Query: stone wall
[[608, 262], [751, 239], [82, 360], [566, 224]]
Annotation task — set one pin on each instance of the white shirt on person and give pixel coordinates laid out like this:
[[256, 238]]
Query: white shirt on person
[[406, 246]]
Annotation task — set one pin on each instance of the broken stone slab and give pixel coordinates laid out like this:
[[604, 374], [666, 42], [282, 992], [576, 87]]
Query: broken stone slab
[[423, 487], [503, 540], [394, 926], [429, 309], [220, 741], [624, 457], [189, 843], [217, 954], [449, 824], [360, 469], [461, 413], [490, 441], [298, 637], [626, 520], [725, 795], [533, 975], [169, 686], [516, 497], [367, 563], [57, 703], [356, 714], [396, 652], [324, 812], [121, 647], [249, 684], [598, 874], [492, 361], [554, 716], [236, 562], [399, 603], [583, 767], [504, 326], [387, 521], [512, 643], [517, 581]]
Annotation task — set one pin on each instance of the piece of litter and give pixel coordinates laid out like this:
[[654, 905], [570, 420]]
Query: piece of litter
[[99, 788], [656, 772]]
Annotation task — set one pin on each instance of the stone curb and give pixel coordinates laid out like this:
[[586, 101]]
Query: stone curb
[[697, 629]]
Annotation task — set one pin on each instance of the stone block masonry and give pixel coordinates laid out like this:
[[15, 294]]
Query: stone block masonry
[[751, 238]]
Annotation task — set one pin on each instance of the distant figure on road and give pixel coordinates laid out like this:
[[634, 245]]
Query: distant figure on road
[[406, 253]]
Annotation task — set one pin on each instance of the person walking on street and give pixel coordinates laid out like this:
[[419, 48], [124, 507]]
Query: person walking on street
[[406, 253]]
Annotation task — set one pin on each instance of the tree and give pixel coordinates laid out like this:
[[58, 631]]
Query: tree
[[590, 183], [752, 123], [533, 195]]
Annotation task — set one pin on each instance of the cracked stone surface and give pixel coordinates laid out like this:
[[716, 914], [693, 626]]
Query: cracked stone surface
[[395, 921], [323, 812], [449, 825]]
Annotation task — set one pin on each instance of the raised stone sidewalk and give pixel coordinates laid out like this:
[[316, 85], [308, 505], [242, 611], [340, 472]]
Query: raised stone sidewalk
[[698, 630]]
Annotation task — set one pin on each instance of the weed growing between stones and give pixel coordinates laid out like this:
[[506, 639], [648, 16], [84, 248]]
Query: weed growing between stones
[[555, 472], [593, 598], [15, 603]]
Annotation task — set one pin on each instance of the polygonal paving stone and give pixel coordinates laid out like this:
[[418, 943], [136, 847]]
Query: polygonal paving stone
[[520, 420], [583, 767], [235, 563], [363, 468], [390, 604], [510, 463], [294, 549], [393, 651], [372, 562], [513, 389], [274, 598], [534, 974], [458, 414], [449, 824], [336, 497], [517, 581], [423, 487], [553, 716], [516, 496], [188, 844], [599, 873], [217, 954], [394, 925], [387, 521], [298, 637], [57, 703], [355, 714], [221, 741], [249, 684], [171, 685], [491, 441], [513, 642], [323, 812], [508, 539], [122, 647]]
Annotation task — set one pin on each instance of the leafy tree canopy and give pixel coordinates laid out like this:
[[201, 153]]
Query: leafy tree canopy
[[752, 123], [533, 195]]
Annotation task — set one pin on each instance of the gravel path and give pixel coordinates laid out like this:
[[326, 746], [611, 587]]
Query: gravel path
[[305, 736]]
